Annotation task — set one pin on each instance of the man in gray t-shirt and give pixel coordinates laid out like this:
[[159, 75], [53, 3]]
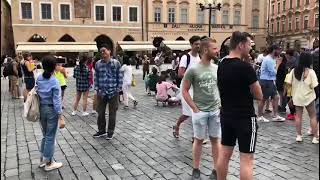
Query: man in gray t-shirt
[[205, 104]]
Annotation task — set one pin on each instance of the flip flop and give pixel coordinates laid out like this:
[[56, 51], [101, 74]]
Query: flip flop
[[174, 132]]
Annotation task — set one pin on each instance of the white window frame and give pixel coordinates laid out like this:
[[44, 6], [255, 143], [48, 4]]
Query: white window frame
[[129, 14], [70, 9], [94, 13], [202, 16], [304, 19], [234, 17], [228, 16], [40, 10], [187, 15], [20, 10], [175, 14], [154, 14], [112, 13]]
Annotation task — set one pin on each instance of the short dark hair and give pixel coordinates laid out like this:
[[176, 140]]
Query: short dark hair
[[107, 46], [238, 37], [290, 52], [154, 70], [273, 47], [48, 64], [194, 39], [26, 55]]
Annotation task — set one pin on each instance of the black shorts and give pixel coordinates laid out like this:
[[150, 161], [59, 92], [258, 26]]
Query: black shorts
[[244, 130], [268, 88], [63, 87], [30, 81]]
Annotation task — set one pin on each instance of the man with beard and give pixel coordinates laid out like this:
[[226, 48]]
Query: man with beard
[[205, 104]]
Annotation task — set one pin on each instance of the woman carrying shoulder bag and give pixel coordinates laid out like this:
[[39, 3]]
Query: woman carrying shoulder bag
[[49, 91]]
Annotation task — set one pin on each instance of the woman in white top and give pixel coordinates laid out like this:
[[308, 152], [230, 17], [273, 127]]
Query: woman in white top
[[126, 69], [304, 81]]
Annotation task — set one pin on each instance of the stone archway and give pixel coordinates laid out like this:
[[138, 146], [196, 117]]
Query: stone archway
[[128, 38], [37, 38], [66, 38], [180, 39], [104, 39]]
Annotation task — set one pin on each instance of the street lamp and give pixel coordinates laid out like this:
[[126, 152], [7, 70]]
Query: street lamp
[[211, 5]]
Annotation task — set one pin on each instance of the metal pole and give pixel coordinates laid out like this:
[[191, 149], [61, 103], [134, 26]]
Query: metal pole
[[209, 20]]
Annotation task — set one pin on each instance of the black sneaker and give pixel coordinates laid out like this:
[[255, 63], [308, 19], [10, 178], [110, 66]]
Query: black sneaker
[[109, 136], [99, 134], [213, 175], [196, 174], [268, 111]]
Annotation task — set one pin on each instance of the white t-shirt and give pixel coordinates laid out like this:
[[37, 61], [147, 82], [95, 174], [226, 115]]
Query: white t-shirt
[[260, 58], [127, 74], [186, 110], [193, 60]]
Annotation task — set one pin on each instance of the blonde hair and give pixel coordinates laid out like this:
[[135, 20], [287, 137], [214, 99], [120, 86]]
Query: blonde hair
[[205, 44]]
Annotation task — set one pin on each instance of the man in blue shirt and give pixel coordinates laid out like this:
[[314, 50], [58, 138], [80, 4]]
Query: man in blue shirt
[[107, 83], [268, 75]]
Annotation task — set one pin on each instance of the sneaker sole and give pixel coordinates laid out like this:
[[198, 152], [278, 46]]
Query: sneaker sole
[[52, 168], [100, 136]]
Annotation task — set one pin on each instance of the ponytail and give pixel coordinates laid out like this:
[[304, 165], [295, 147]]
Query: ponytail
[[46, 74]]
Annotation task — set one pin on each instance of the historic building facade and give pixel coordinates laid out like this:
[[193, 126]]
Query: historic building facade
[[7, 44], [181, 19], [105, 21], [294, 23], [77, 21]]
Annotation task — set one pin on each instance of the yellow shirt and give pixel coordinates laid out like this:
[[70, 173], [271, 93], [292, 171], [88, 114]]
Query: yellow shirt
[[288, 85], [62, 80], [303, 91]]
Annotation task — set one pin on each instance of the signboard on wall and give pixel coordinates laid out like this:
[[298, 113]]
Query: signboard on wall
[[82, 8]]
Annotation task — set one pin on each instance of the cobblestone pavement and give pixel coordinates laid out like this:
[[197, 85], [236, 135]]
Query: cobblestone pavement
[[143, 146]]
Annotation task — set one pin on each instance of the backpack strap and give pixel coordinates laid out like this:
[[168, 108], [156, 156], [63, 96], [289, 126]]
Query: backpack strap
[[188, 60]]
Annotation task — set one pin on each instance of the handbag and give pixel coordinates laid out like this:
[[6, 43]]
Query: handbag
[[133, 81]]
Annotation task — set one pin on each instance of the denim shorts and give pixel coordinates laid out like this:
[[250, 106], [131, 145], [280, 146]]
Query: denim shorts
[[268, 88], [206, 121]]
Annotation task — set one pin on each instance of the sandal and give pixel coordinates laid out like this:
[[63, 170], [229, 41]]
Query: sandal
[[175, 134]]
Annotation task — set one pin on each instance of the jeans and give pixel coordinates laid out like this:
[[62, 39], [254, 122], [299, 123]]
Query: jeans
[[113, 107], [49, 125]]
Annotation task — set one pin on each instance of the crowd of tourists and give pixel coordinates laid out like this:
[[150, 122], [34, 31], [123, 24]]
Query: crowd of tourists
[[218, 96]]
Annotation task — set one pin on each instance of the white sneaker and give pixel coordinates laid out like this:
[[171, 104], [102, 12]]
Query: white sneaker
[[21, 97], [42, 164], [52, 166], [299, 138], [278, 118], [73, 113], [263, 119], [315, 140], [309, 132], [85, 114]]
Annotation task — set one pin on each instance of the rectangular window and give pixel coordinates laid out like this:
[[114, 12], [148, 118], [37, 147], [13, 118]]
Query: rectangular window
[[65, 12], [290, 24], [237, 17], [255, 21], [26, 10], [116, 14], [284, 6], [278, 26], [316, 20], [307, 2], [272, 28], [184, 15], [298, 3], [157, 14], [133, 14], [291, 1], [225, 17], [283, 26], [278, 8], [213, 18], [200, 19], [46, 11], [297, 23], [305, 22], [99, 13], [171, 15], [272, 8]]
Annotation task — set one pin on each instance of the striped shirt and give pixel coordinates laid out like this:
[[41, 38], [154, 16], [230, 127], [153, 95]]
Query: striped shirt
[[108, 78]]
